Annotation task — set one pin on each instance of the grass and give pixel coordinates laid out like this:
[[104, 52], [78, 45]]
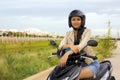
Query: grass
[[25, 59], [104, 48], [22, 46]]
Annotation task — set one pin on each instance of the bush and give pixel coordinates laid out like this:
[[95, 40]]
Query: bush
[[104, 48]]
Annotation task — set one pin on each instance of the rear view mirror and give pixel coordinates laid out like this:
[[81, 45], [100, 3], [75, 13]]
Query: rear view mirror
[[92, 43], [53, 43]]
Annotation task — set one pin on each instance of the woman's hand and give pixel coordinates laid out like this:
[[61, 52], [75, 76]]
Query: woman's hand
[[74, 48], [63, 60]]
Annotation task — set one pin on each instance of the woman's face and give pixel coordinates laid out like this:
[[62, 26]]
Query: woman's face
[[76, 21]]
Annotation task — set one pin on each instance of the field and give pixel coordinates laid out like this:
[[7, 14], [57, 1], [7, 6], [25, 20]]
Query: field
[[22, 58]]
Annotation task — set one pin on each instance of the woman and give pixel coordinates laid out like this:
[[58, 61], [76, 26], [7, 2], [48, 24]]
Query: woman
[[75, 40]]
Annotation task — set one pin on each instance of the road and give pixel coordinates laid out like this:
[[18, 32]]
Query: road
[[114, 60], [40, 76]]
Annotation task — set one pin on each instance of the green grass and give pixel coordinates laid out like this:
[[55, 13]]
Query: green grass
[[25, 59], [22, 46], [104, 48]]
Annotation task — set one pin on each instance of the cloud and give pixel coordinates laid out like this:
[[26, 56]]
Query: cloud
[[96, 20], [51, 24], [52, 15], [56, 7]]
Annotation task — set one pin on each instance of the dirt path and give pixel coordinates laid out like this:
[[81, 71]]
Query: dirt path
[[114, 60], [40, 76]]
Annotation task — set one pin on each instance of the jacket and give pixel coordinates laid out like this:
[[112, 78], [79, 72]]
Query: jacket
[[69, 39]]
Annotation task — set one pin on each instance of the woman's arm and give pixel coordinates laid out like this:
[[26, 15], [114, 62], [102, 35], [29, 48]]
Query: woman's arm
[[63, 59], [66, 46], [63, 42], [77, 48]]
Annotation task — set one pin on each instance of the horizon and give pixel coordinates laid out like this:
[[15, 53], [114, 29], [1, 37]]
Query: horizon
[[37, 31]]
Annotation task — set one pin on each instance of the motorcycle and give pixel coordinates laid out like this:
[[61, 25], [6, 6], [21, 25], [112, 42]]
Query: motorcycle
[[74, 64]]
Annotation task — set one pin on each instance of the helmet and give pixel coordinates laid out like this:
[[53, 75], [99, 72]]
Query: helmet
[[76, 13]]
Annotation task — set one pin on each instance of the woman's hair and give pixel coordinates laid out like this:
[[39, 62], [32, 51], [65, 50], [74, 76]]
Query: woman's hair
[[81, 28]]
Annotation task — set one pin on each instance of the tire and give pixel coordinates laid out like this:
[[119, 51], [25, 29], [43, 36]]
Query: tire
[[112, 78]]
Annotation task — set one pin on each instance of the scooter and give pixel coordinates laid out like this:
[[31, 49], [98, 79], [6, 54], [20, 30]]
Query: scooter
[[74, 65]]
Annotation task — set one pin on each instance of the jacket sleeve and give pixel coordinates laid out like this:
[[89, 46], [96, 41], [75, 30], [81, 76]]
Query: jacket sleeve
[[63, 42], [85, 38]]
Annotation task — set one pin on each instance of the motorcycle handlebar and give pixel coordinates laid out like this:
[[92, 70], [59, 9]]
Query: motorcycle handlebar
[[79, 58]]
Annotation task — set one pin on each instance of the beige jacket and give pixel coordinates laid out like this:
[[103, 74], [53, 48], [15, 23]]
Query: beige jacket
[[69, 39]]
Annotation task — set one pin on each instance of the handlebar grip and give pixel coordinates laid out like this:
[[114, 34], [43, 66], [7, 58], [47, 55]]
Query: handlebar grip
[[92, 57], [54, 53]]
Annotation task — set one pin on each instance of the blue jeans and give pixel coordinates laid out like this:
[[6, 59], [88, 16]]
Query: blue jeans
[[94, 66]]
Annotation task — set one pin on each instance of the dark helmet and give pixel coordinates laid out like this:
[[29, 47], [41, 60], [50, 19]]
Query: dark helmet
[[77, 13]]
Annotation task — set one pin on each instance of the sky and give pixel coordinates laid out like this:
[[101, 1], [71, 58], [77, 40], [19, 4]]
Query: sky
[[52, 15]]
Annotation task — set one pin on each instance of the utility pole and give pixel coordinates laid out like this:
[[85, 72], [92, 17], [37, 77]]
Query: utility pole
[[109, 30], [118, 36], [109, 24]]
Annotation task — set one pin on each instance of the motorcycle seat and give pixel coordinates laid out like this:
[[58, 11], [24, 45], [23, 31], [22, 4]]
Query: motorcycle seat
[[104, 67]]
